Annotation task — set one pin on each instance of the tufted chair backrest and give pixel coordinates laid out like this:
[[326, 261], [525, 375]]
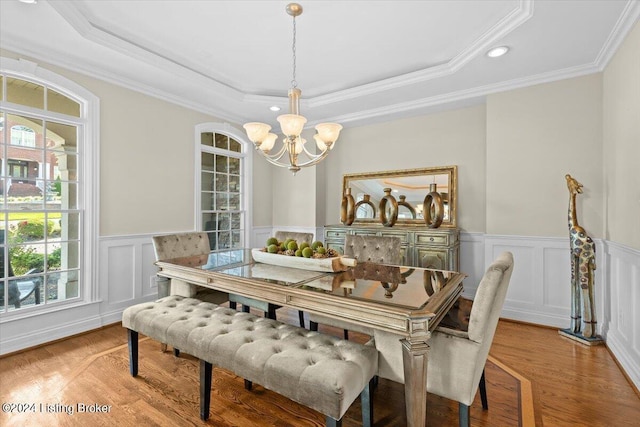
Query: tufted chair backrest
[[386, 250], [298, 237], [180, 245]]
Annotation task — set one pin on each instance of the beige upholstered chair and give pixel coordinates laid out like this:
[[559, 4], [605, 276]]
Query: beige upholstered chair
[[385, 250], [268, 308], [457, 358], [183, 245]]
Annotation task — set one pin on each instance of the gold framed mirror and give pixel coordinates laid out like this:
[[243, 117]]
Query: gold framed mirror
[[410, 187]]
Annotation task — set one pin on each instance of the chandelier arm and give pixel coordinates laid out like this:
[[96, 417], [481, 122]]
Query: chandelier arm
[[314, 160], [311, 155], [275, 156]]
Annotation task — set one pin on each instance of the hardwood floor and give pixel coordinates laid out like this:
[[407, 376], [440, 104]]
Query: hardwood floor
[[534, 377]]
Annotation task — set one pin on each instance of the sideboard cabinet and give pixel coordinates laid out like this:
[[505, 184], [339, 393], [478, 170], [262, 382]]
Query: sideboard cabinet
[[422, 246]]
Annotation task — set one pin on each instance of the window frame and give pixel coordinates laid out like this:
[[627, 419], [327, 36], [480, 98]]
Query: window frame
[[246, 168], [88, 125]]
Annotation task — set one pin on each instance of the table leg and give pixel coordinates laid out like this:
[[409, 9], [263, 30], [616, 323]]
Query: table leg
[[414, 358]]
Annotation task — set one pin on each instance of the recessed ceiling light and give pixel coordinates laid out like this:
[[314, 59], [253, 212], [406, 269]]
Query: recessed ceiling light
[[274, 108], [497, 51], [28, 1]]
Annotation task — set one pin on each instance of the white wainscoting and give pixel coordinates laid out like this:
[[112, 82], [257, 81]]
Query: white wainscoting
[[539, 291]]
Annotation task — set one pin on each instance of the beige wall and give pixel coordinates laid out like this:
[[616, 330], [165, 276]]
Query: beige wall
[[449, 138], [621, 129], [535, 136]]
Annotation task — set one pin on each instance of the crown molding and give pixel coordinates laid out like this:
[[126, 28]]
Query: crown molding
[[625, 23]]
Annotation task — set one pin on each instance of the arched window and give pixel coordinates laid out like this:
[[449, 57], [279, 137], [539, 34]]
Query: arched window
[[222, 183], [22, 135], [48, 191]]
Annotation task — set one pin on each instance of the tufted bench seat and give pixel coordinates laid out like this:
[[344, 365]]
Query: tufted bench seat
[[322, 372]]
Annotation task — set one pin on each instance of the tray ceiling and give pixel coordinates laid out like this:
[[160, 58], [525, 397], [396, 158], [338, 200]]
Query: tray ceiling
[[357, 61]]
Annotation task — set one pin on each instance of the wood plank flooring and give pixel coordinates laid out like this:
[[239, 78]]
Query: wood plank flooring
[[534, 377]]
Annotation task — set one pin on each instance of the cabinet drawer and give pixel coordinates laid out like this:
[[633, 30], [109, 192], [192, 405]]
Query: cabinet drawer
[[431, 239], [403, 236], [365, 232], [333, 234]]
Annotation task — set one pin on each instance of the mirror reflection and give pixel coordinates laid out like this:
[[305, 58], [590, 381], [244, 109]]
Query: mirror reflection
[[408, 187]]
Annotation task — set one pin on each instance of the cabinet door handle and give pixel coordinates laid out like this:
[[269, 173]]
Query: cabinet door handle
[[431, 238]]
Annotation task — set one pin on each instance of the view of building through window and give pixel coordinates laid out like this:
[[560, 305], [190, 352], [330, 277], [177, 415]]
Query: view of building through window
[[40, 239]]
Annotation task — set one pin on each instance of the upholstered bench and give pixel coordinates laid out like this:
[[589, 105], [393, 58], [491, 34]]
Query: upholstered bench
[[322, 372]]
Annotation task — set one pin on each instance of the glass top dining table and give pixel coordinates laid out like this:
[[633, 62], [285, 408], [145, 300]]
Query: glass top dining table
[[406, 301]]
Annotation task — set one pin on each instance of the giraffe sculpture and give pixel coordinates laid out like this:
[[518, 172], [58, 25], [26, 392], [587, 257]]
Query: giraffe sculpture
[[583, 265]]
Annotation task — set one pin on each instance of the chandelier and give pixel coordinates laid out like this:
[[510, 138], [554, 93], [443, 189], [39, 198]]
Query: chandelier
[[293, 154]]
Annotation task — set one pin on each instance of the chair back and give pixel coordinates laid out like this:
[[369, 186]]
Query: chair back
[[298, 237], [180, 245], [489, 299], [380, 249]]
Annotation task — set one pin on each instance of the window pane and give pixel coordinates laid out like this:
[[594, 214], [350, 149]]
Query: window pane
[[60, 167], [236, 239], [234, 146], [221, 182], [61, 137], [234, 202], [235, 221], [222, 141], [222, 202], [69, 224], [25, 93], [221, 164], [206, 138], [26, 259], [206, 181], [1, 88], [64, 256], [234, 165], [62, 104], [2, 127], [210, 221], [207, 201], [234, 183], [207, 162], [62, 285]]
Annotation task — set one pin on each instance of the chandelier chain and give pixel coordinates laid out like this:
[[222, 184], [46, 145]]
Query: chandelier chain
[[294, 83]]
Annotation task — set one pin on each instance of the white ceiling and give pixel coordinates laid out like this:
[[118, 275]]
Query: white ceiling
[[357, 61]]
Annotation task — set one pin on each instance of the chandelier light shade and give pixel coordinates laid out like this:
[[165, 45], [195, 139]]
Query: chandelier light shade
[[293, 154]]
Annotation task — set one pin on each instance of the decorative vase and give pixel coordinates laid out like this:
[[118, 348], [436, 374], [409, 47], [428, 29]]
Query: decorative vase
[[433, 207], [390, 219], [403, 202], [366, 201], [347, 208]]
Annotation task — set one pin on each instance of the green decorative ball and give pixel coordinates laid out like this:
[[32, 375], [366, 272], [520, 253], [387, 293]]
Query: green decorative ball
[[298, 252], [292, 246], [272, 249], [307, 252], [304, 245], [315, 245], [283, 246], [272, 241], [321, 250]]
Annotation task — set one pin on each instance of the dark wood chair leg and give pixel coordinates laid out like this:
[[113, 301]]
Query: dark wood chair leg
[[233, 305], [366, 402], [465, 419], [206, 370], [133, 352], [176, 352], [346, 334], [483, 392], [271, 311], [313, 326], [245, 308], [301, 318], [248, 385], [333, 423]]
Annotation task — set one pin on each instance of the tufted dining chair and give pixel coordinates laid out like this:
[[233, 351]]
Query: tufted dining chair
[[180, 245], [457, 358], [379, 249], [268, 308]]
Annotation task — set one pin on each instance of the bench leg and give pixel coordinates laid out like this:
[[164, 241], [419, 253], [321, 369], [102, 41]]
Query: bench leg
[[464, 418], [133, 352], [346, 334], [301, 318], [333, 423], [271, 312], [313, 326], [366, 402], [176, 352], [483, 392], [248, 385], [205, 389], [246, 308], [233, 305]]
